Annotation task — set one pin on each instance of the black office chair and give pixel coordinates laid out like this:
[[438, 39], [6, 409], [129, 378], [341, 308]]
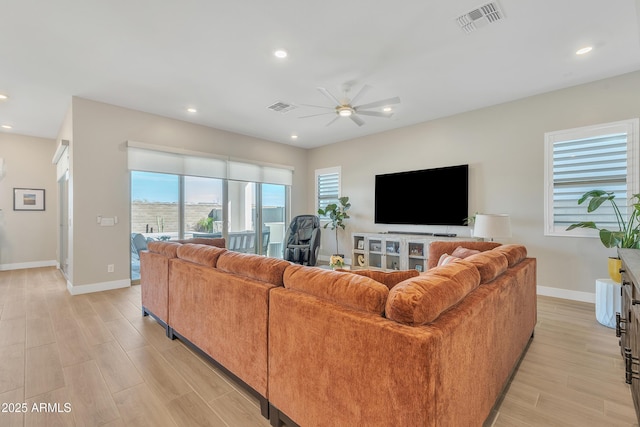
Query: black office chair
[[302, 240]]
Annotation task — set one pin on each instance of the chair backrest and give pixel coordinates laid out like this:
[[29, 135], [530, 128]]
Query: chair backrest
[[301, 229], [302, 240], [138, 242]]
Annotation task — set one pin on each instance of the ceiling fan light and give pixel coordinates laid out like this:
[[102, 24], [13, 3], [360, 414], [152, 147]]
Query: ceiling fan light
[[345, 112]]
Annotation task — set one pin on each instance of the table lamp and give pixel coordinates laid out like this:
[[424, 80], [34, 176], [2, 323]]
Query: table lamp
[[489, 226]]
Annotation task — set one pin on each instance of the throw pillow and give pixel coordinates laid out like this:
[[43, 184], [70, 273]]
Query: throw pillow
[[446, 259], [461, 252]]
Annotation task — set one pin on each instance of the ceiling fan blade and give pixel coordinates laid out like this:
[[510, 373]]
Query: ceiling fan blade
[[382, 102], [374, 113], [317, 106], [364, 90], [357, 120], [333, 120], [315, 115], [329, 96]]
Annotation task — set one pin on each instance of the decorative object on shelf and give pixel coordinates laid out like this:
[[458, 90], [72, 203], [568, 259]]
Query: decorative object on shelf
[[361, 244], [416, 250], [419, 268], [336, 215], [628, 234], [336, 261], [361, 261], [490, 226], [28, 199]]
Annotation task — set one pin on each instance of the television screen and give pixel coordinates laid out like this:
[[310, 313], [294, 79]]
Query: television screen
[[423, 197]]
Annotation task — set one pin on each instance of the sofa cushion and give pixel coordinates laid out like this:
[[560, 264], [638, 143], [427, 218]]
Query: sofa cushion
[[462, 252], [200, 254], [352, 290], [168, 249], [439, 247], [446, 259], [387, 278], [253, 266], [490, 264], [211, 241], [421, 299], [514, 253]]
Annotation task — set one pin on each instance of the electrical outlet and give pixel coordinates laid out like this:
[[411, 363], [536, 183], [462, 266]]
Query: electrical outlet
[[110, 268]]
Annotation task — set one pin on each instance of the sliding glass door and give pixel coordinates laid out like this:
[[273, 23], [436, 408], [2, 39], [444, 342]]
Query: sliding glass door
[[155, 212], [203, 203], [251, 216], [273, 200]]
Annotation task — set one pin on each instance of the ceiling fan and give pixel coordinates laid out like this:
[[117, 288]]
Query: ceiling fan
[[348, 108]]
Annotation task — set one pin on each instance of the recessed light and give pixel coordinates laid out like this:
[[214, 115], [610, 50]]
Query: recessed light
[[280, 53], [191, 110], [387, 109], [584, 50], [7, 127], [294, 136], [3, 97]]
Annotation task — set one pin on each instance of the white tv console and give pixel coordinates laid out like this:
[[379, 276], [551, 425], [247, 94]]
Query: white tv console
[[394, 251]]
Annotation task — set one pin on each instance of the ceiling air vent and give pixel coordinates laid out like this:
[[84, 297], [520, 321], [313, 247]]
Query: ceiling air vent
[[479, 17], [281, 107]]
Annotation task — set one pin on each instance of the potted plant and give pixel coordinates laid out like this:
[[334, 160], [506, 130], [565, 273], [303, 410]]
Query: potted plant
[[628, 233], [336, 214]]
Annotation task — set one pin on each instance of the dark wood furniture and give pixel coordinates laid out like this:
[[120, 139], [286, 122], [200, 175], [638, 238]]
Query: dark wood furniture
[[628, 322]]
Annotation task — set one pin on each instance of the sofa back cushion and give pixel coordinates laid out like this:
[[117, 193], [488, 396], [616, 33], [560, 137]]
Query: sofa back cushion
[[490, 264], [211, 241], [351, 290], [387, 278], [253, 266], [200, 254], [514, 253], [168, 249], [420, 300]]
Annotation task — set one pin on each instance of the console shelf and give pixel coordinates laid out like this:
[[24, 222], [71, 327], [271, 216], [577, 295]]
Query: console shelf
[[391, 251]]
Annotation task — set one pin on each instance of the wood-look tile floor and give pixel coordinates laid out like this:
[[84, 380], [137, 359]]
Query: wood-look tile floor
[[94, 360]]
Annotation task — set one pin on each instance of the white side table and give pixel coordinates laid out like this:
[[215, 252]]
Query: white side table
[[608, 301]]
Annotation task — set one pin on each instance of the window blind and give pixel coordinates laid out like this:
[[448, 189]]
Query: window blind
[[160, 159], [328, 188], [587, 164]]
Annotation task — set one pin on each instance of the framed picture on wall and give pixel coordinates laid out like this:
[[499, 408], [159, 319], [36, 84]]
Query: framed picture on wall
[[28, 199]]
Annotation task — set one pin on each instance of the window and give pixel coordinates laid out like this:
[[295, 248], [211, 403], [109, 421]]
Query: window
[[179, 194], [327, 187], [578, 160]]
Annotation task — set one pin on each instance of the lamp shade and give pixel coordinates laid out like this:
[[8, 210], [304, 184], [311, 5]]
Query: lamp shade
[[489, 226]]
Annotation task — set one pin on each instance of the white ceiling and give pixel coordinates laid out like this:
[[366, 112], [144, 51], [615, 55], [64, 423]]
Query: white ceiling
[[162, 56]]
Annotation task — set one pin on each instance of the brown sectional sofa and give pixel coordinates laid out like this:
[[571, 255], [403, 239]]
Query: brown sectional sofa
[[321, 347], [154, 274]]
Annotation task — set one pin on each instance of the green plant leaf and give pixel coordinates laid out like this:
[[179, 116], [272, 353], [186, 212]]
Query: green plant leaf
[[611, 239], [587, 224]]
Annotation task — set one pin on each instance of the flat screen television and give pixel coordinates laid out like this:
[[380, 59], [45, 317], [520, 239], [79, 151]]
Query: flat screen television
[[437, 196]]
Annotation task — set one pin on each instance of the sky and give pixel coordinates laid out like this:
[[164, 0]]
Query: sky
[[158, 187]]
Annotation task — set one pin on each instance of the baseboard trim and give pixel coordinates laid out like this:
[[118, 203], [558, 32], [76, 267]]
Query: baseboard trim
[[566, 294], [97, 287], [32, 264]]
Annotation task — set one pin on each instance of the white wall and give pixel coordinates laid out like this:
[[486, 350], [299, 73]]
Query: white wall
[[27, 238], [100, 179], [504, 147]]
